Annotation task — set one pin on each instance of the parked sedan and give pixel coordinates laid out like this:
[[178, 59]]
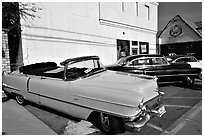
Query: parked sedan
[[191, 60], [83, 88], [157, 65]]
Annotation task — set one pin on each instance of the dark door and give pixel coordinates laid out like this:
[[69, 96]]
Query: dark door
[[123, 48]]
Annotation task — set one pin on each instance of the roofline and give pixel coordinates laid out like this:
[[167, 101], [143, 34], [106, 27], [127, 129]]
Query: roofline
[[155, 3], [191, 27], [165, 27], [184, 22]]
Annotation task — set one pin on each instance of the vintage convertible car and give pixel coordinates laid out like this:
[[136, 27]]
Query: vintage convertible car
[[83, 88], [157, 65]]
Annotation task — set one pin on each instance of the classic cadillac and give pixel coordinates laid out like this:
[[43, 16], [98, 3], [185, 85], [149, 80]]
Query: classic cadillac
[[157, 65], [83, 88]]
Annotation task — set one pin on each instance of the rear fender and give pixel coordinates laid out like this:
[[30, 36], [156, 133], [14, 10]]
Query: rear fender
[[15, 83]]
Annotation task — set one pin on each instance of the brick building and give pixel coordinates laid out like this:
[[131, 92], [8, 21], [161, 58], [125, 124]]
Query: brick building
[[5, 51]]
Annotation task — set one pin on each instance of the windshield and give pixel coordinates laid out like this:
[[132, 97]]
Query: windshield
[[84, 69], [121, 61]]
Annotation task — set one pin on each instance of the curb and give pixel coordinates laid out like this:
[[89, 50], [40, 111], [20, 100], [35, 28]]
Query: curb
[[181, 122]]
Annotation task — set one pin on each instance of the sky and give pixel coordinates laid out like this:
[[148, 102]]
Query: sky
[[189, 10]]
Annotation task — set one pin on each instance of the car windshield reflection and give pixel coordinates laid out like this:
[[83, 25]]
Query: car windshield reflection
[[84, 69], [121, 61]]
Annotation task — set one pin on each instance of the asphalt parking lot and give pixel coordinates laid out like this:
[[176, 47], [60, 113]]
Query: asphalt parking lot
[[177, 99]]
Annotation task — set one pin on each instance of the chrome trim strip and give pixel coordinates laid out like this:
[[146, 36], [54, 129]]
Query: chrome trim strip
[[79, 105], [105, 101], [178, 75], [10, 87], [161, 82]]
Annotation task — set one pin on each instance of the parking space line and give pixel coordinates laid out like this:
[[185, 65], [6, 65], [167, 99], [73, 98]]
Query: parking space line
[[155, 127], [190, 90], [177, 128], [180, 106], [180, 123], [182, 97]]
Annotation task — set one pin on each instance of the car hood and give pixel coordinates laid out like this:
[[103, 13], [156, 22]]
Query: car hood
[[125, 88]]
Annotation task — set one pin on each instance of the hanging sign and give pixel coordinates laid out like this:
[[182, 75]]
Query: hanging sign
[[175, 31]]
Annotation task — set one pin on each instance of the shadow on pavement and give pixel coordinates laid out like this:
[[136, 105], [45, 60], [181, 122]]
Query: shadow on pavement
[[54, 119]]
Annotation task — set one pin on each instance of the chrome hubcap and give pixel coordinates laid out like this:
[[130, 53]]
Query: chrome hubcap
[[105, 121]]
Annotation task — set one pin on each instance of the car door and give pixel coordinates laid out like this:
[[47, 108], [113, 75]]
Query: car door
[[163, 70], [136, 66], [33, 88], [159, 66], [179, 69], [54, 93]]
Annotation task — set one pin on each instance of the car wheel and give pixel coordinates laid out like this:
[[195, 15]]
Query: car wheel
[[110, 124], [20, 100], [189, 80]]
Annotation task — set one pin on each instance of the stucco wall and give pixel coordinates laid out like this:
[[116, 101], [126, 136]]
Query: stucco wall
[[65, 30]]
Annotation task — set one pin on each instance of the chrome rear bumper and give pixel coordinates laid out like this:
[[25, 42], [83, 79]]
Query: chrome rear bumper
[[138, 123]]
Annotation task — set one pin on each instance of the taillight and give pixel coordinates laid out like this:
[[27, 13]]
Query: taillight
[[141, 105], [159, 91]]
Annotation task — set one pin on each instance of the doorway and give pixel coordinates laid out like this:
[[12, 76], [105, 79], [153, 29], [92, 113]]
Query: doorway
[[123, 48]]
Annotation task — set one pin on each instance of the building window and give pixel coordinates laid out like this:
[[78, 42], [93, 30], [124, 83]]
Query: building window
[[144, 47], [123, 6], [147, 12], [134, 43], [136, 8], [134, 49]]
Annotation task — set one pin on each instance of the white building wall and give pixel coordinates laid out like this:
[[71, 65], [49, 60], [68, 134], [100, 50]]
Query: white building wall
[[65, 30]]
